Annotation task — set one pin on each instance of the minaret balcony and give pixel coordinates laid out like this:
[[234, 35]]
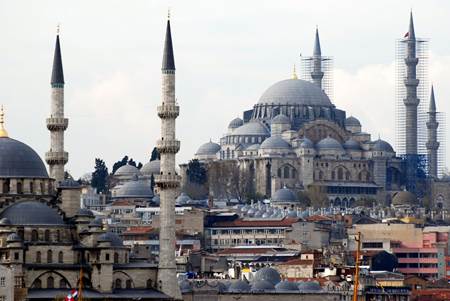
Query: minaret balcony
[[411, 82], [167, 181], [168, 146], [168, 111], [411, 61], [53, 158], [432, 125], [411, 101], [432, 145], [54, 124]]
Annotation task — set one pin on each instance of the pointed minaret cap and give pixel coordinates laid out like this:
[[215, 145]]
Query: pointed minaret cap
[[317, 51], [411, 33], [432, 108], [57, 71], [168, 62], [3, 132], [294, 73]]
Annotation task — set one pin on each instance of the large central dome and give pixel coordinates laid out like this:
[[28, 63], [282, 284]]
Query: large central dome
[[295, 92], [18, 160]]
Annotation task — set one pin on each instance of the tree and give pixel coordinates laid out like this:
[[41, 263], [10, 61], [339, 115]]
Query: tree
[[318, 197], [139, 166], [132, 162], [100, 176], [119, 164], [155, 155], [196, 172], [152, 182]]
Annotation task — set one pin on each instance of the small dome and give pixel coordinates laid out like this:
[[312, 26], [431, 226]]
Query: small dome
[[284, 195], [351, 144], [5, 221], [185, 286], [85, 212], [239, 286], [18, 160], [262, 285], [209, 148], [285, 286], [135, 189], [382, 146], [253, 147], [69, 184], [111, 237], [13, 237], [254, 128], [309, 286], [32, 213], [281, 119], [127, 170], [404, 198], [352, 121], [295, 92], [151, 168], [235, 123], [329, 144], [268, 274], [275, 142], [183, 199], [306, 143]]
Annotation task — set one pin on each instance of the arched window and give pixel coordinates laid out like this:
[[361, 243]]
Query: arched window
[[34, 235], [320, 175], [367, 177], [88, 257], [286, 172], [50, 282], [19, 188], [47, 235], [347, 176], [279, 172], [118, 283], [149, 283], [58, 235], [359, 177], [126, 257], [128, 283], [116, 258], [60, 257], [63, 283], [49, 256], [37, 283], [340, 173], [333, 175], [31, 187], [38, 257], [6, 186], [294, 173], [42, 188]]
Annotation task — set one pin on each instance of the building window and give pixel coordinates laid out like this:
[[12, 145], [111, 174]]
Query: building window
[[50, 282], [37, 283], [34, 235], [47, 235], [19, 188], [286, 172], [63, 283], [49, 256], [16, 255], [116, 258], [2, 281], [38, 257], [107, 257], [118, 283], [31, 187], [333, 175], [128, 284], [149, 283], [340, 174], [347, 176], [60, 257], [58, 235]]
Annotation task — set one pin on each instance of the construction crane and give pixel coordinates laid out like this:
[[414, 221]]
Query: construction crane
[[356, 277]]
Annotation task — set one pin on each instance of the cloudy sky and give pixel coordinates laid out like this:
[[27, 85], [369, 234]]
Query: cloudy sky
[[227, 53]]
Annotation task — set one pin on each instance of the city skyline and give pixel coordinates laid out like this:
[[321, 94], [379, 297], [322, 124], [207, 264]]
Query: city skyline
[[112, 69]]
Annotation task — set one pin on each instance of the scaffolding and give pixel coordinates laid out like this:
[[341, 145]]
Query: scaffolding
[[441, 137], [306, 68]]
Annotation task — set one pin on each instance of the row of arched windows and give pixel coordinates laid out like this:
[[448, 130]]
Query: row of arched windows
[[341, 174], [47, 237], [50, 283], [20, 187], [49, 257], [287, 172]]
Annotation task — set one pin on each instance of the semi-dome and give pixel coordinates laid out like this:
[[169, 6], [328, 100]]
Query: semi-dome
[[404, 198], [352, 121], [275, 142], [382, 146], [284, 195], [135, 189], [235, 123], [18, 160], [306, 143], [262, 285], [151, 168], [239, 286], [253, 128], [32, 213], [351, 144], [281, 119], [309, 286], [268, 274], [185, 286], [113, 238], [127, 170], [209, 148], [69, 184], [295, 92], [253, 147], [285, 286], [329, 144]]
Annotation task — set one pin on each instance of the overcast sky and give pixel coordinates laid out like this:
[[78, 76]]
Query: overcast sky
[[226, 52]]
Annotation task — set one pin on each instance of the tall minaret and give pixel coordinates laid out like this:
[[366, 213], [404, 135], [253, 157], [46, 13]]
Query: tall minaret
[[411, 82], [317, 73], [168, 181], [56, 158], [432, 143]]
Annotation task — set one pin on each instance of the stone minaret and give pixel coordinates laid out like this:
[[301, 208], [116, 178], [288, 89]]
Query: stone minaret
[[411, 101], [168, 181], [432, 143], [317, 73], [56, 158]]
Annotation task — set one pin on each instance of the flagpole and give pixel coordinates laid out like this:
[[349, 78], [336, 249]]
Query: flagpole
[[80, 285]]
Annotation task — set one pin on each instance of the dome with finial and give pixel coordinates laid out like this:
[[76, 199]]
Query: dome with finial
[[235, 123]]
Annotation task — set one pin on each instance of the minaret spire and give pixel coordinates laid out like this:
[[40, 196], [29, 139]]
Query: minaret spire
[[168, 181], [411, 33], [432, 143], [317, 50], [3, 132], [56, 157], [317, 73]]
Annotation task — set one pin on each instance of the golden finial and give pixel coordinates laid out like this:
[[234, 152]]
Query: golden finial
[[294, 74], [3, 132]]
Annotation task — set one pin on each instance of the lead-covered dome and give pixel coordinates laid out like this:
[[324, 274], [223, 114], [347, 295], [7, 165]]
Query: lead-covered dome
[[113, 238], [351, 144], [404, 198], [127, 170], [209, 148], [235, 123], [239, 286], [352, 121], [382, 146], [151, 168], [329, 144], [281, 119], [285, 286], [18, 160], [295, 92], [268, 274], [253, 128], [275, 142], [262, 285], [32, 213], [284, 195], [135, 189]]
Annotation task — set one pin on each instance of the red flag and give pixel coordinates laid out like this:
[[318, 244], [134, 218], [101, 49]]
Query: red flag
[[406, 35]]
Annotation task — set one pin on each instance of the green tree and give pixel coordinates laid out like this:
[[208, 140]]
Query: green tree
[[155, 155], [100, 176], [119, 164], [196, 172]]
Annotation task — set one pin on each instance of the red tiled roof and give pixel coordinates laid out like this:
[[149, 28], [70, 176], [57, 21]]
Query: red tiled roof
[[288, 221], [123, 203], [138, 230], [318, 218], [246, 251], [298, 261]]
